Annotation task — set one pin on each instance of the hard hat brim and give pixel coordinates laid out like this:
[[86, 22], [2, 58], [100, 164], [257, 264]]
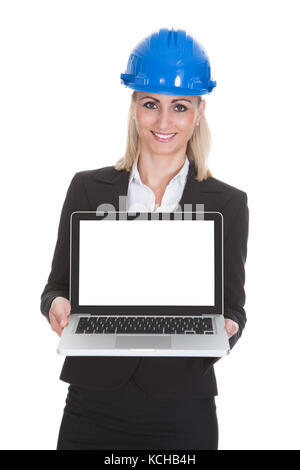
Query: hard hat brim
[[168, 90]]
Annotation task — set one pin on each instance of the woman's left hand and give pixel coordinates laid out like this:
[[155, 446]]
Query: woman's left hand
[[231, 327]]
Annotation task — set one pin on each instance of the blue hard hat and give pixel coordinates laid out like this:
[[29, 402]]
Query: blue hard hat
[[169, 62]]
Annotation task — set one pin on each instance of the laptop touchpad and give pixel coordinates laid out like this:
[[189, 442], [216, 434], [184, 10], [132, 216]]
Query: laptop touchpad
[[141, 342]]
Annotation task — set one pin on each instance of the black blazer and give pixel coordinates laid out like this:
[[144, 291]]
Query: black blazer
[[160, 376]]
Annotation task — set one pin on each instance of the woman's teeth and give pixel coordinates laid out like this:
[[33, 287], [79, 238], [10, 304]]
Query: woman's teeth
[[163, 136]]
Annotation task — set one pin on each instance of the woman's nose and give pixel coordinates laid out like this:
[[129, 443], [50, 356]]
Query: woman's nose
[[164, 120]]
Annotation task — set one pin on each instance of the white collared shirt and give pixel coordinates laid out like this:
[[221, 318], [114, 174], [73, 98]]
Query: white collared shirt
[[141, 198]]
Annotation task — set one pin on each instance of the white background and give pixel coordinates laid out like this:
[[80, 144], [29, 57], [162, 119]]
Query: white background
[[64, 110]]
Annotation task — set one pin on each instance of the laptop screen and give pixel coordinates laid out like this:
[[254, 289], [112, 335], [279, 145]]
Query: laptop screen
[[146, 263]]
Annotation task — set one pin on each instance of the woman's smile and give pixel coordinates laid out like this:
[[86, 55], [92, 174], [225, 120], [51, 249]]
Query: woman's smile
[[163, 137]]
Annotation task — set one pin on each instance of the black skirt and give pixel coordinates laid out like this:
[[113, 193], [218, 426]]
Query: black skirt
[[130, 418]]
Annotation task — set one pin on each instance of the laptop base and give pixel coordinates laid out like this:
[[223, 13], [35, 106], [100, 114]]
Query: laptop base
[[176, 345]]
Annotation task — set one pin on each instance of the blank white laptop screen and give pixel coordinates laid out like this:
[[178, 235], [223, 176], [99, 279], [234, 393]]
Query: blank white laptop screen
[[140, 262]]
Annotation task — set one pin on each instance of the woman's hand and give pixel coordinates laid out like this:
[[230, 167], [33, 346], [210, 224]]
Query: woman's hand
[[59, 313], [231, 327]]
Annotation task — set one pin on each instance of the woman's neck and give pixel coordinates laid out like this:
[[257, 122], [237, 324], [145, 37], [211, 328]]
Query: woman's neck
[[157, 172]]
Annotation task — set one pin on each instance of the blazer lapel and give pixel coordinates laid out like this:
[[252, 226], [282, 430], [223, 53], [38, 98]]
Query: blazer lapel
[[111, 184], [114, 183], [199, 192]]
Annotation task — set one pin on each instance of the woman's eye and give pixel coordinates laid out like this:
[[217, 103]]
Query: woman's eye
[[149, 102], [178, 105], [181, 105]]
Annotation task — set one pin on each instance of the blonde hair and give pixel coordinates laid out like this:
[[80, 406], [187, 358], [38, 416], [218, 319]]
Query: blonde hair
[[198, 146]]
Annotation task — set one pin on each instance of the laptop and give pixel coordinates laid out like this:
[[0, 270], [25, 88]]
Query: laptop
[[146, 284]]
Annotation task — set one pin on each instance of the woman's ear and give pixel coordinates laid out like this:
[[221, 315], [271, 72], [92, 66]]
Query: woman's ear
[[201, 110], [203, 104]]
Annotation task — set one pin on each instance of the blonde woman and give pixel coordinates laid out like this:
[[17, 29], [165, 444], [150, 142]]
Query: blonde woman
[[152, 402]]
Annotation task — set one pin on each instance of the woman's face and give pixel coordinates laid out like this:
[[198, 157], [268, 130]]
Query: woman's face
[[166, 114]]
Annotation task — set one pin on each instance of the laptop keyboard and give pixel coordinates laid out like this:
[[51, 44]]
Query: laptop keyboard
[[144, 325]]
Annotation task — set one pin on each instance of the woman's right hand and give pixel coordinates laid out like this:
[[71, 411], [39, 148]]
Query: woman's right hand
[[59, 313]]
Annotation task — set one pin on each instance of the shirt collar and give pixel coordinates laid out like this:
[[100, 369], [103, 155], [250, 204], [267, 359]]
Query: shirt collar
[[134, 173]]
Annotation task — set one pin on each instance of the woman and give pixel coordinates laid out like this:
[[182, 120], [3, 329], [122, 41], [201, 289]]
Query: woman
[[152, 402]]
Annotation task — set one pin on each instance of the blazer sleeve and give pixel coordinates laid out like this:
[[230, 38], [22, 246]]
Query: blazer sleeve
[[58, 280], [235, 255]]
